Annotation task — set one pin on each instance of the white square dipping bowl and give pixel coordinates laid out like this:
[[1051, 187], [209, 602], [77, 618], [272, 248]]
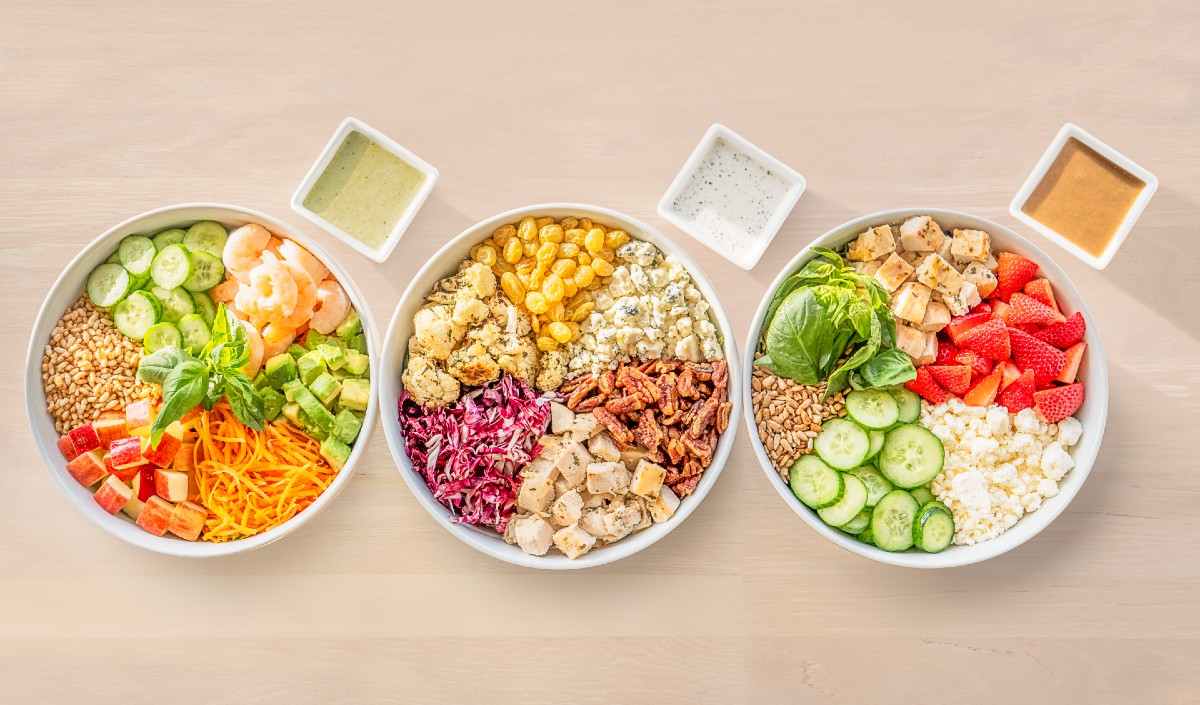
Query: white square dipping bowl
[[744, 257], [349, 125], [1035, 177]]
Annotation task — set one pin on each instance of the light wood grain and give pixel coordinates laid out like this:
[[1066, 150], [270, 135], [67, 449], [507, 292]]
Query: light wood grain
[[109, 109]]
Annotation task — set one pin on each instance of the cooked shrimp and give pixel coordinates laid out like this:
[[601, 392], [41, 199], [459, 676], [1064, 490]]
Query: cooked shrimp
[[306, 301], [273, 244], [270, 293], [278, 346], [334, 305], [296, 254], [244, 248], [224, 292], [256, 350]]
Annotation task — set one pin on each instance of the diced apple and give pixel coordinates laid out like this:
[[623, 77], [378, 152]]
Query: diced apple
[[188, 422], [185, 458], [187, 521], [134, 507], [109, 428], [112, 495], [126, 452], [139, 416], [67, 447], [171, 485], [145, 483], [162, 454], [84, 437], [156, 515], [124, 474], [88, 468]]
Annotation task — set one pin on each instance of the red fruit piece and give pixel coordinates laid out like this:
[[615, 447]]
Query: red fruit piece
[[1029, 353], [84, 437], [945, 355], [1026, 309], [983, 392], [1040, 290], [1065, 334], [989, 340], [955, 378], [926, 386], [1029, 328], [1011, 373], [982, 307], [962, 324], [1058, 403], [1071, 370], [979, 364], [1012, 274], [1019, 394], [1000, 309], [67, 447]]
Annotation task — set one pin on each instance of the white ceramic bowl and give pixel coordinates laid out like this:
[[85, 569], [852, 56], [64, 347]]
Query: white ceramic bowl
[[444, 264], [67, 290], [1092, 414]]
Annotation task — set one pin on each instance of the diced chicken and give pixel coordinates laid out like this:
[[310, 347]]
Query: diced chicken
[[971, 245], [944, 250], [592, 521], [991, 264], [873, 244], [893, 272], [647, 479], [607, 477], [868, 268], [561, 486], [536, 494], [912, 258], [921, 234], [911, 301], [603, 447], [966, 298], [542, 468], [561, 418], [914, 342], [551, 446], [936, 273], [574, 541], [978, 274], [931, 351], [632, 457], [591, 501], [937, 315], [573, 463], [620, 521], [533, 534], [567, 509], [663, 507], [585, 427]]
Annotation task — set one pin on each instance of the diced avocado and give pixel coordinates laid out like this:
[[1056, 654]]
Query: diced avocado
[[281, 369], [296, 351], [356, 363], [341, 374], [336, 452], [261, 382], [291, 412], [326, 388], [273, 403], [346, 426], [334, 356], [311, 366], [289, 389], [313, 339], [359, 343], [311, 428], [355, 394], [350, 326], [312, 406]]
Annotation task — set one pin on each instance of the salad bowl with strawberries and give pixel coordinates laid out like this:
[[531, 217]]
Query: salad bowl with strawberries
[[955, 389]]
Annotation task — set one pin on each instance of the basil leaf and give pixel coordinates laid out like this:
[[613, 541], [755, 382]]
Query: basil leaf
[[155, 367], [183, 389], [800, 337], [830, 255], [888, 368], [244, 400]]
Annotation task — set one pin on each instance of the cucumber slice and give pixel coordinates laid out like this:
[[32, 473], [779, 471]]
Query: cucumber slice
[[171, 267], [911, 456], [174, 236], [205, 306], [142, 282], [877, 485], [910, 404], [874, 409], [162, 335], [922, 495], [176, 303], [196, 332], [859, 523], [853, 501], [137, 254], [934, 528], [206, 236], [108, 284], [815, 483], [113, 259], [867, 536], [207, 272], [843, 444], [136, 313], [892, 521], [876, 438]]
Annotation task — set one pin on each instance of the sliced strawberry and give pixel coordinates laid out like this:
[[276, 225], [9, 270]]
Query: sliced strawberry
[[1012, 274], [1029, 328], [1058, 403], [1000, 309], [1011, 373], [926, 386], [1026, 309], [1040, 290], [1065, 334], [1071, 370], [1019, 394], [979, 364], [962, 324], [946, 353], [955, 378], [989, 339], [983, 392], [982, 307], [1029, 353]]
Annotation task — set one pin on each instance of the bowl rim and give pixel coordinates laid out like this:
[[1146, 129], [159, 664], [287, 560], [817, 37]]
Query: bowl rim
[[958, 555], [164, 544], [488, 542]]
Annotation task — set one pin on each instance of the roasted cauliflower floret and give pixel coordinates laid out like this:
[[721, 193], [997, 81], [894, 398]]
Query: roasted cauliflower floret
[[473, 366], [553, 372], [468, 311], [479, 279], [427, 383], [435, 331], [518, 357]]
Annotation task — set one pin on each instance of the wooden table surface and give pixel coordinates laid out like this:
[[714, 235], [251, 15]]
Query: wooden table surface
[[109, 109]]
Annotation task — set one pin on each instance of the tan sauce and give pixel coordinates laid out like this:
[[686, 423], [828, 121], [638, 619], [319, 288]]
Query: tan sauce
[[1084, 197]]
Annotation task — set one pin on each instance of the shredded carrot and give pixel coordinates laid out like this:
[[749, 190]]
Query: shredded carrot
[[251, 481]]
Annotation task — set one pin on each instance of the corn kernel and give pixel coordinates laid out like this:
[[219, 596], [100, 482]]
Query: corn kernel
[[485, 255], [600, 267], [543, 221], [547, 344], [594, 241], [568, 222], [527, 230], [512, 286], [559, 331], [536, 302], [512, 251], [551, 233], [564, 268], [584, 275], [615, 239], [580, 313], [548, 252], [553, 288], [570, 287], [529, 248], [503, 234]]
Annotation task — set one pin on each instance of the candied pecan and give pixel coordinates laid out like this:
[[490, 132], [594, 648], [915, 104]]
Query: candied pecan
[[607, 382], [622, 379], [648, 432], [667, 399], [571, 384], [720, 373], [645, 387], [691, 468], [723, 412], [588, 404], [674, 475], [686, 384], [580, 392], [625, 404], [703, 371], [645, 366], [685, 486], [699, 448], [675, 450], [703, 417], [621, 435]]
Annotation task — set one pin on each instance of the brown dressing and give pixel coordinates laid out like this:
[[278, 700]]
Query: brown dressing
[[1083, 197]]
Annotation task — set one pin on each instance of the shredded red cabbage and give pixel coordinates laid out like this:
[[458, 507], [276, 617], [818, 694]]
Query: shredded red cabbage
[[469, 453]]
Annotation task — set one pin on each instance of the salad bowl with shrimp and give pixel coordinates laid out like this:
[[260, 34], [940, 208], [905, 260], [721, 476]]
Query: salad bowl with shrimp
[[250, 350]]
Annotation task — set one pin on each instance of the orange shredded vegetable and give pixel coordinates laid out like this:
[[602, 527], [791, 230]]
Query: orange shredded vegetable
[[250, 481]]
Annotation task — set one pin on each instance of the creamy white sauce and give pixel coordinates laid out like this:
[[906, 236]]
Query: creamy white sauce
[[731, 195]]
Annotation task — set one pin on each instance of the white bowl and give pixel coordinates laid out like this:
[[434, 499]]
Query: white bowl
[[1092, 414], [444, 264], [66, 291]]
